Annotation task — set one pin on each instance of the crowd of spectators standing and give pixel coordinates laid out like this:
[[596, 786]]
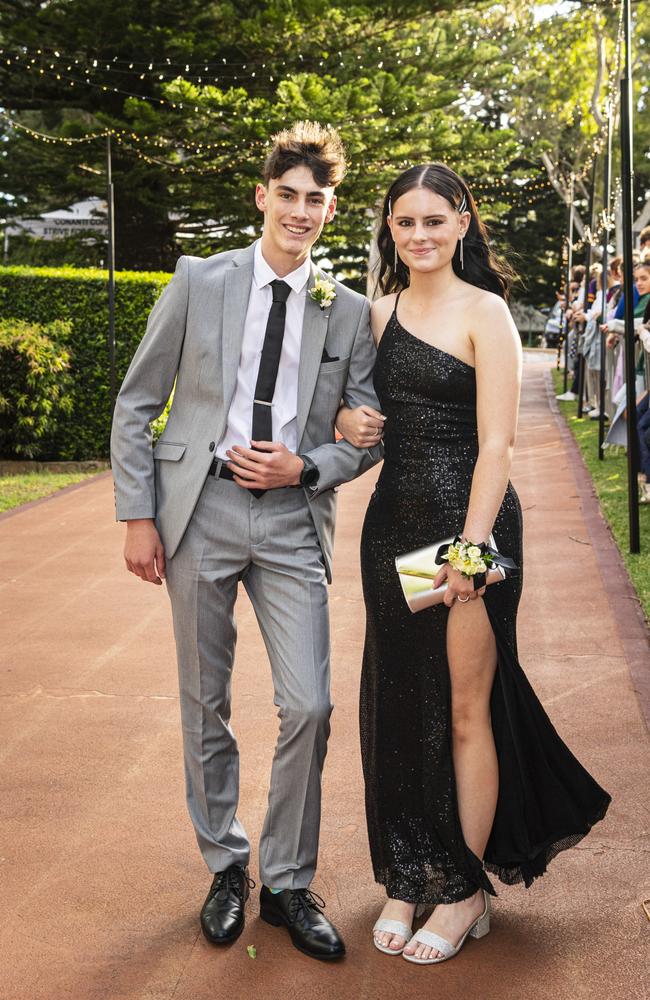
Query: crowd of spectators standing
[[587, 312]]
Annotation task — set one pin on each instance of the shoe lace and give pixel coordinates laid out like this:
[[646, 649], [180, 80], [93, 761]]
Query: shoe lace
[[303, 900], [232, 880]]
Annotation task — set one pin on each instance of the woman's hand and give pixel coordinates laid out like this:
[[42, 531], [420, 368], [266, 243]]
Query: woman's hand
[[459, 587], [362, 427]]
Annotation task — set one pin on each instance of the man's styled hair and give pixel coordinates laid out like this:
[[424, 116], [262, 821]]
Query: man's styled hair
[[311, 145], [644, 235]]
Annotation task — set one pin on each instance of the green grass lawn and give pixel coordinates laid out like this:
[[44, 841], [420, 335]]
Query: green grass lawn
[[15, 490], [610, 480]]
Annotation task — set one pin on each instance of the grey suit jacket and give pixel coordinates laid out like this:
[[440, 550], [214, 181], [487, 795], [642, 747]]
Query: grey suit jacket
[[193, 338]]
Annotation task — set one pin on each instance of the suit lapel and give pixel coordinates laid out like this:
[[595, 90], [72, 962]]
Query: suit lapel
[[235, 306], [314, 331]]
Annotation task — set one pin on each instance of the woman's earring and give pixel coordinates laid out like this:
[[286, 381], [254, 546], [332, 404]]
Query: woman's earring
[[462, 208], [396, 258]]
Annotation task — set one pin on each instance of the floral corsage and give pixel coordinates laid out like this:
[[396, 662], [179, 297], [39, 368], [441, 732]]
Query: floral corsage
[[322, 292], [468, 558], [473, 560]]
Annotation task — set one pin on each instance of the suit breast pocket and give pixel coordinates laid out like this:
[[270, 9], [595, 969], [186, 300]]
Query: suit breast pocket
[[169, 451]]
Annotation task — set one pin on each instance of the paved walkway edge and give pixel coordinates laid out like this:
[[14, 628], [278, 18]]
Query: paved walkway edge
[[5, 514], [626, 607]]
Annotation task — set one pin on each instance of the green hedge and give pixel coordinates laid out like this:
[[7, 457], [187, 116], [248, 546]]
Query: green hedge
[[79, 296]]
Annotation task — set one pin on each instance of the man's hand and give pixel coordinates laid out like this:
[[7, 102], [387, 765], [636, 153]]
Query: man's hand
[[270, 466], [143, 551]]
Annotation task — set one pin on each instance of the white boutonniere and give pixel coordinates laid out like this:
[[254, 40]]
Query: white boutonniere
[[322, 291]]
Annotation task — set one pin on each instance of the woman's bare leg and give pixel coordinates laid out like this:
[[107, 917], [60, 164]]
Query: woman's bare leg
[[471, 652]]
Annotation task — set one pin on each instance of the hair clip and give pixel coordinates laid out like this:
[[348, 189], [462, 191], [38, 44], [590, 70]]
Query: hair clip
[[463, 205], [390, 208]]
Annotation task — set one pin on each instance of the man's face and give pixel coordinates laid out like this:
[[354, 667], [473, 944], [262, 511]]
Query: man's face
[[295, 210]]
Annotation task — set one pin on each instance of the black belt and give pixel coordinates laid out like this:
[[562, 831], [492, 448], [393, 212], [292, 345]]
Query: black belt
[[224, 471]]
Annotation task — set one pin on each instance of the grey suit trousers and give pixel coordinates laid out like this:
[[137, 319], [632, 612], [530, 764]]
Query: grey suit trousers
[[271, 545]]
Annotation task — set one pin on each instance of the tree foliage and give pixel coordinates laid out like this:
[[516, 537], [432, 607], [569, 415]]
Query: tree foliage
[[194, 90]]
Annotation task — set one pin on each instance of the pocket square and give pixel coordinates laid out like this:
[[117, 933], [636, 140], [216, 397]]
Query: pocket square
[[325, 358]]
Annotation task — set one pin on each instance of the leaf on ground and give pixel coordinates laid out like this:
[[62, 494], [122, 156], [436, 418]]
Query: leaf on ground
[[252, 951]]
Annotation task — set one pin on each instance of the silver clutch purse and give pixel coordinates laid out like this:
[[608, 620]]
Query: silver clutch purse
[[417, 569]]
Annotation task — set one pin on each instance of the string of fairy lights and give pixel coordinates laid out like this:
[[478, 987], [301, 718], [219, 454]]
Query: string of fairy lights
[[50, 62], [500, 188], [33, 64], [55, 66], [126, 137], [227, 68], [75, 71]]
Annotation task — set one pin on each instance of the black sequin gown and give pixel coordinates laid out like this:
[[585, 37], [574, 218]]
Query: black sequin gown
[[547, 801]]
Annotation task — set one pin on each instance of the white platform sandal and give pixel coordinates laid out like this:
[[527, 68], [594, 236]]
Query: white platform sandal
[[429, 939], [386, 926]]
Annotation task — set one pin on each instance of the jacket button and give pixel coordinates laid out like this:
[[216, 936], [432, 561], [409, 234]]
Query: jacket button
[[211, 446]]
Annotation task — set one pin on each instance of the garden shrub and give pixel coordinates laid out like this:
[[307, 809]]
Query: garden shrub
[[34, 386]]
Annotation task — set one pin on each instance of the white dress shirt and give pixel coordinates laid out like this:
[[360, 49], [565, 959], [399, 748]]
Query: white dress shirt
[[285, 399]]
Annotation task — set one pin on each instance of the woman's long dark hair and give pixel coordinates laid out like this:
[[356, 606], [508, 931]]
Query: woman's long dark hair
[[482, 267]]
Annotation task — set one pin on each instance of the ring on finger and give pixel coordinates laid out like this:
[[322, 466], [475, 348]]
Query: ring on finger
[[464, 600]]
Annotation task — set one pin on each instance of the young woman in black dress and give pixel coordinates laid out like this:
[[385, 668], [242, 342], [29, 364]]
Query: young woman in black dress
[[463, 769]]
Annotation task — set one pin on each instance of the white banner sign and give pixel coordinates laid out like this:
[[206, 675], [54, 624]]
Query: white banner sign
[[84, 217]]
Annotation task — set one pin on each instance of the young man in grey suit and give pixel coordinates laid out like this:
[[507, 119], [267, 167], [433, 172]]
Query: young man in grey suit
[[241, 486]]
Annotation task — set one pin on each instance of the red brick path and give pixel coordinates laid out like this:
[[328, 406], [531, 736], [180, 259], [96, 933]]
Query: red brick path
[[100, 877]]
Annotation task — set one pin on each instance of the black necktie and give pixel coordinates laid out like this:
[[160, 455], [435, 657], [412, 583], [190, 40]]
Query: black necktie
[[269, 364]]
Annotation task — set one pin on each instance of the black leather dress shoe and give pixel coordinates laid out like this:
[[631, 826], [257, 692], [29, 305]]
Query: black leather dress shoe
[[222, 916], [299, 910]]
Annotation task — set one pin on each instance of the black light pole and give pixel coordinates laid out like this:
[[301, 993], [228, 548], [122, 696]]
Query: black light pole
[[628, 286], [607, 180], [111, 274], [569, 265], [582, 371]]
